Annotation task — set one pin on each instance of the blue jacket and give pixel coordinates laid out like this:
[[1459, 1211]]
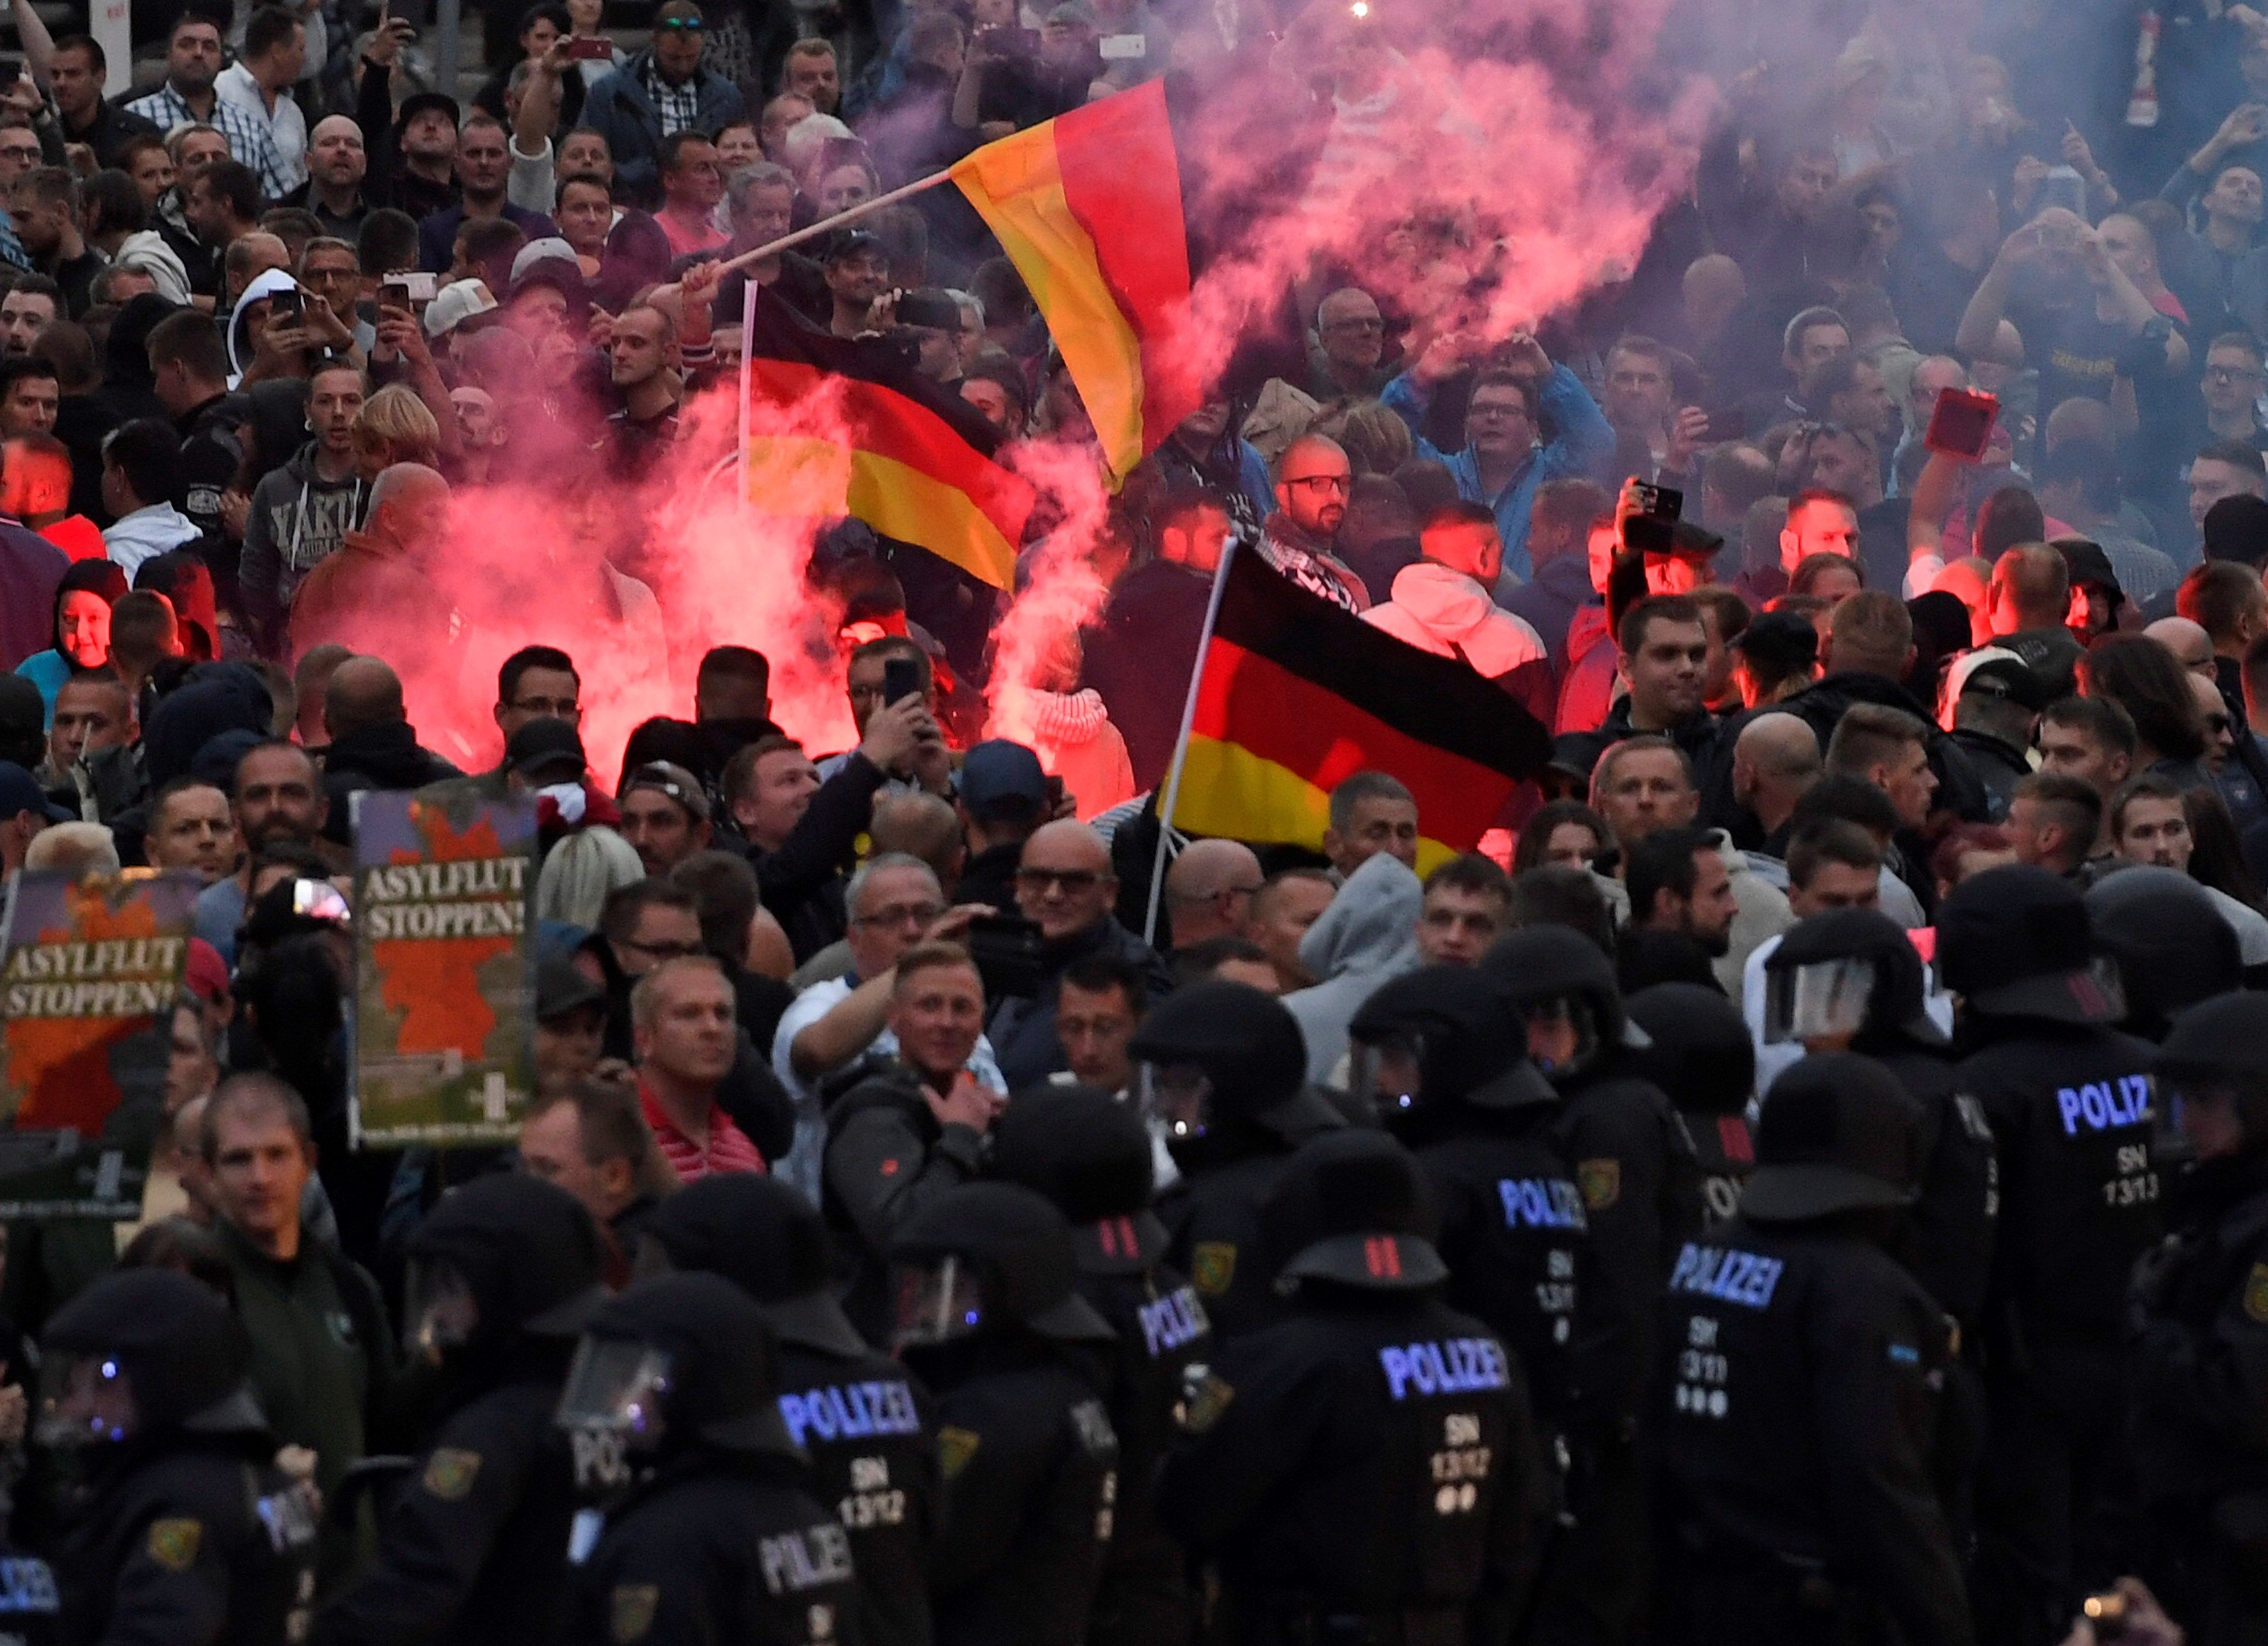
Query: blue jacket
[[1585, 450], [619, 109]]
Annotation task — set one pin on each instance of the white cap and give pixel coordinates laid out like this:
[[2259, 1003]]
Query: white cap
[[551, 248], [456, 304]]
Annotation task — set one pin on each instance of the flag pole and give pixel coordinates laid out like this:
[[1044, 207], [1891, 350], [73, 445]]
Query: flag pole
[[747, 380], [1181, 744], [829, 224]]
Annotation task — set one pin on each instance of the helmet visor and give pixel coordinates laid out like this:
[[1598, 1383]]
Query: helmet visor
[[617, 1386], [1178, 1097], [1386, 1072], [936, 1303], [438, 1310], [1820, 1000], [1563, 1034], [87, 1399]]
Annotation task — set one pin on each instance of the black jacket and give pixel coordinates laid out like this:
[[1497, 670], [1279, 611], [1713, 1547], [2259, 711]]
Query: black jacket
[[1960, 791], [1698, 738], [802, 882], [1023, 1028], [1142, 656], [375, 757], [887, 1158]]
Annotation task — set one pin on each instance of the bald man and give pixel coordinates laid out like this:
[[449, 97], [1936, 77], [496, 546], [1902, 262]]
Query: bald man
[[375, 592], [1209, 890], [1775, 759], [1350, 342], [1064, 886], [372, 744], [2026, 603], [2191, 646], [1313, 481]]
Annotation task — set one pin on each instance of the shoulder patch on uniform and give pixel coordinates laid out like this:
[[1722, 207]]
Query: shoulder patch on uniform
[[173, 1542], [2256, 1294], [954, 1448], [449, 1473], [632, 1613], [1600, 1181], [1204, 1401], [1213, 1266]]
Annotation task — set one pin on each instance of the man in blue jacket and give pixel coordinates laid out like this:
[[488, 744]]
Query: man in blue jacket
[[661, 90], [1505, 461]]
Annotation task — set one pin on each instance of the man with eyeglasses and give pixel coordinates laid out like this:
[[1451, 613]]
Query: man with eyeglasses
[[2231, 385], [1064, 886], [1504, 459], [895, 903], [537, 682], [661, 91], [1313, 481], [1348, 348]]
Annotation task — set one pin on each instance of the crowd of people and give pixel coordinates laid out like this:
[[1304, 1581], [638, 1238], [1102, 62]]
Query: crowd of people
[[1803, 1177]]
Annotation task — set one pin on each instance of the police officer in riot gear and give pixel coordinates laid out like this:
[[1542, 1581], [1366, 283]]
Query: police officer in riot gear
[[1365, 1471], [2199, 1334], [1851, 980], [502, 1277], [176, 1527], [2069, 1101], [672, 1409], [2172, 946], [1091, 1156], [1440, 1052], [989, 1317], [1802, 1495], [1226, 1077], [1634, 1164], [864, 1422], [1704, 1059]]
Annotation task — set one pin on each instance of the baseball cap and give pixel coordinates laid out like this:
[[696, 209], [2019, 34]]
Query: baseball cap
[[546, 745], [207, 977], [414, 106], [851, 242], [997, 775], [19, 794], [674, 780], [550, 249], [562, 987], [1996, 673], [1784, 641], [456, 304]]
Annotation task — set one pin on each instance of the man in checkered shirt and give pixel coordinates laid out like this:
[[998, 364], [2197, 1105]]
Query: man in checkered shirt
[[661, 91], [188, 98]]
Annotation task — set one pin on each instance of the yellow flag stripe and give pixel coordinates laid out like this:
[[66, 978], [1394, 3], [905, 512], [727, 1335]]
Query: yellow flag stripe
[[1229, 790], [894, 498]]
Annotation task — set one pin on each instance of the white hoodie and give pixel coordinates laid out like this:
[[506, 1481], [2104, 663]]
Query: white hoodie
[[147, 533], [1447, 614], [267, 283]]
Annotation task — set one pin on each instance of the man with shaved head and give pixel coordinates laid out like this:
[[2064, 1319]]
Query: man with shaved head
[[372, 744], [374, 593], [1209, 890], [1775, 759], [2027, 604], [336, 165], [1313, 481], [1066, 887], [1349, 343], [2191, 646]]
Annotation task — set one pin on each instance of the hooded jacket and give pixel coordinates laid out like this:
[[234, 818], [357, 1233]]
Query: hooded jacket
[[296, 519], [217, 698], [264, 285], [152, 530], [1368, 934], [1442, 611]]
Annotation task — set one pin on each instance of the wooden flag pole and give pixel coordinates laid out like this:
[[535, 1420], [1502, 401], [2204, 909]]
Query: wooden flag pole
[[1181, 744], [828, 225]]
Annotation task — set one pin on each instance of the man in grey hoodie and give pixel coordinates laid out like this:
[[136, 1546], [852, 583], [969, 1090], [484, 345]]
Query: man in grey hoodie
[[301, 512], [1365, 936]]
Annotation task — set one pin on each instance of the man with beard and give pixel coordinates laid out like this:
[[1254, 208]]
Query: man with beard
[[858, 273], [279, 799], [193, 58], [1313, 481], [1682, 908]]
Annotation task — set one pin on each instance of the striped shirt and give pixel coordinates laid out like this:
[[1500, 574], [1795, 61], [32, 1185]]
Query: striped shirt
[[248, 139], [728, 1149]]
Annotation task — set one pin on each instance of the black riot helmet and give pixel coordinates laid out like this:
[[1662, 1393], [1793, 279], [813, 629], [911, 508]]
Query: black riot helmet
[[676, 1360], [1562, 986], [986, 1258], [2172, 946], [504, 1254], [1837, 1134], [1701, 1057], [2212, 1054], [1352, 1208], [1219, 1053], [769, 1241], [1443, 1034], [1852, 978], [2016, 942], [139, 1354], [1091, 1156]]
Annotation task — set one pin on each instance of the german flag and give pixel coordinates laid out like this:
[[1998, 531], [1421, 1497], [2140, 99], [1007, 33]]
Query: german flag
[[1088, 207], [1294, 695], [840, 425]]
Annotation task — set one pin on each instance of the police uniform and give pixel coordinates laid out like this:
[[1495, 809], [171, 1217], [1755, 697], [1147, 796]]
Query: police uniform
[[470, 1548], [1025, 1443], [2172, 946], [1705, 1062], [187, 1534], [710, 1534], [1091, 1156], [2199, 1346], [1803, 1489], [865, 1422], [1364, 1472], [2070, 1103], [1260, 1109]]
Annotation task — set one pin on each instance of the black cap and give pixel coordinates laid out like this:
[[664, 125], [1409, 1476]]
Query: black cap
[[1351, 1207], [545, 744], [2008, 678], [418, 102], [2172, 946], [1895, 1007], [1702, 1054], [1785, 642], [20, 793], [2016, 942], [529, 1248], [847, 243], [768, 1240], [1837, 1134], [1020, 1244], [561, 987], [1092, 1156], [724, 1368]]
